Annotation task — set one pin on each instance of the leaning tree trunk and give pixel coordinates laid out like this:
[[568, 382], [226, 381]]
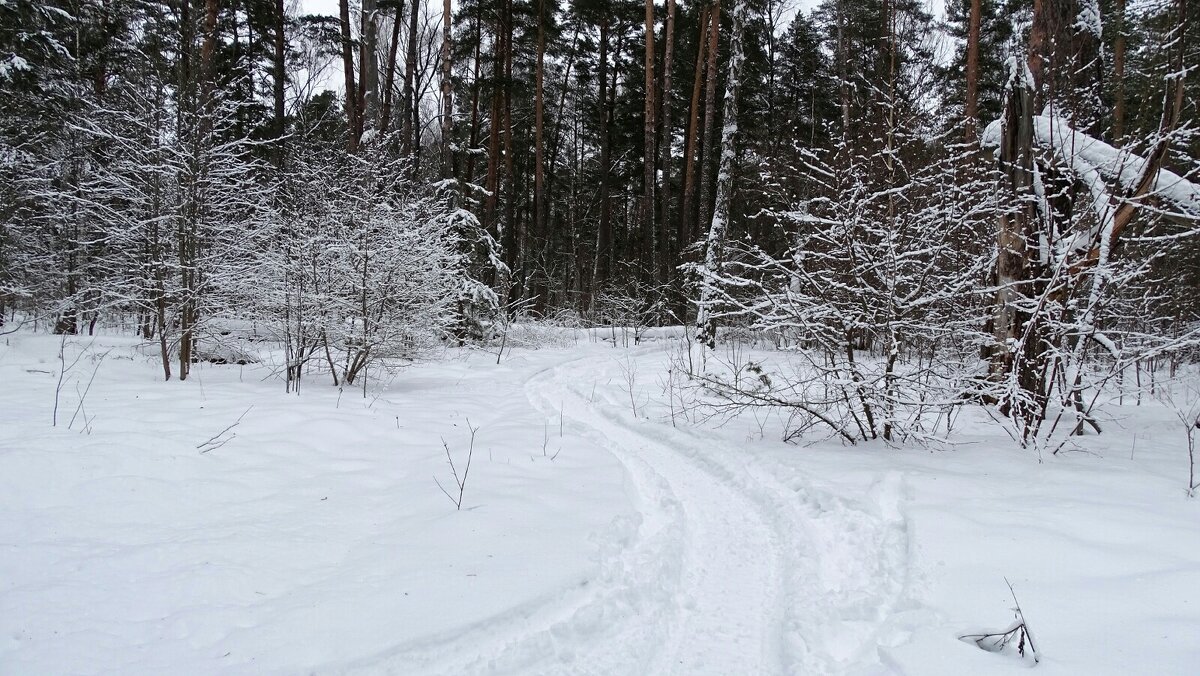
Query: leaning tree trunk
[[714, 253]]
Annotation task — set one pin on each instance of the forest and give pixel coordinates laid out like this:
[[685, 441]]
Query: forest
[[599, 336], [1005, 187]]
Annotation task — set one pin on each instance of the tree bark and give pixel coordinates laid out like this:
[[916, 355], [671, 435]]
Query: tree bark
[[447, 92], [492, 181], [683, 230], [649, 152], [604, 235], [352, 113], [714, 254], [280, 78], [389, 73], [368, 65], [1118, 128], [668, 248], [971, 105], [539, 177], [708, 149], [1016, 349], [412, 107]]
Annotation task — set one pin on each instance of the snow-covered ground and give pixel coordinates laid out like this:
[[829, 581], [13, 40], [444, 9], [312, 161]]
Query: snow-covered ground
[[595, 536]]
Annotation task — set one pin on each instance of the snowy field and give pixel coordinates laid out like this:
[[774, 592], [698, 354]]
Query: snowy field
[[223, 526]]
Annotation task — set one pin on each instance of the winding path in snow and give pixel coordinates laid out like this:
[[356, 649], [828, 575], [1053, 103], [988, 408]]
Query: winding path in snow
[[732, 567], [729, 610]]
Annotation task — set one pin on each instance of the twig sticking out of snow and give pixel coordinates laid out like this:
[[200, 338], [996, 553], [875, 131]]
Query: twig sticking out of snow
[[87, 389], [216, 441], [999, 641]]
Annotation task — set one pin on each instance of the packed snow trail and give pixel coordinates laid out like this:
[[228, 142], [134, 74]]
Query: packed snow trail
[[730, 570], [729, 612]]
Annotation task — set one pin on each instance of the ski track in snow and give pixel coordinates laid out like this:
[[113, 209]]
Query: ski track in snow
[[734, 566]]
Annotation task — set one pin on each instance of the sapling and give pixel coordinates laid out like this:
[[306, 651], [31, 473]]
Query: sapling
[[1188, 413], [63, 368], [629, 371], [459, 482]]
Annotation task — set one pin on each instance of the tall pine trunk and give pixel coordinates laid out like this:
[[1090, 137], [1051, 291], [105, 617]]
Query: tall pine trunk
[[604, 234], [1118, 126], [368, 65], [412, 107], [389, 71], [352, 112], [447, 92], [971, 104], [684, 232], [708, 148], [667, 254], [279, 76], [649, 152]]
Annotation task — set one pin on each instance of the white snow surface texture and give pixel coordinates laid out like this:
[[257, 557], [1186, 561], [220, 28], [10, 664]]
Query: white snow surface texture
[[595, 536]]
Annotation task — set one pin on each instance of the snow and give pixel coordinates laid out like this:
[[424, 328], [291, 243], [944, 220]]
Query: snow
[[12, 64], [315, 539], [601, 532], [1093, 159]]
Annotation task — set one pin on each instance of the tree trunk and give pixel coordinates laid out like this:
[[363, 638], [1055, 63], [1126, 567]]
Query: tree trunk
[[492, 181], [539, 160], [714, 254], [188, 234], [667, 254], [412, 130], [447, 92], [1014, 356], [708, 149], [348, 72], [518, 233], [389, 73], [649, 152], [1118, 128], [971, 105], [843, 59], [279, 76], [684, 232], [473, 141], [368, 65], [604, 234]]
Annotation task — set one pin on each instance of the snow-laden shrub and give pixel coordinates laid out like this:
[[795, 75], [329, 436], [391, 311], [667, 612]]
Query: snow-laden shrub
[[359, 264]]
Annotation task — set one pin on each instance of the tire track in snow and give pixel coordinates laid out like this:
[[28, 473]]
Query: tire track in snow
[[612, 624], [728, 569], [728, 615], [846, 583]]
